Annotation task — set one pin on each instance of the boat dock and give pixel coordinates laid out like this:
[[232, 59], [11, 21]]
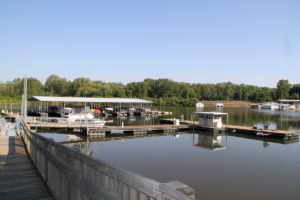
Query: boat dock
[[96, 130], [138, 130], [281, 134]]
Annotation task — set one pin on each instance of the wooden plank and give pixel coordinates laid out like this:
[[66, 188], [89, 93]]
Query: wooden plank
[[259, 130], [19, 178]]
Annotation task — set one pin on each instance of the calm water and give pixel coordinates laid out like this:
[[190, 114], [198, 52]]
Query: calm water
[[217, 167]]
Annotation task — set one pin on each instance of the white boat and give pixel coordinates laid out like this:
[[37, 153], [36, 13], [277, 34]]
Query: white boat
[[81, 118], [108, 109], [81, 115], [270, 106]]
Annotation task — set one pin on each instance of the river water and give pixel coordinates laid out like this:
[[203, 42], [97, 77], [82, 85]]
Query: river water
[[217, 166]]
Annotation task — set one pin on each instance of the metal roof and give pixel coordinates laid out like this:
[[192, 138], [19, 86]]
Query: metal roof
[[86, 100], [211, 113], [289, 100]]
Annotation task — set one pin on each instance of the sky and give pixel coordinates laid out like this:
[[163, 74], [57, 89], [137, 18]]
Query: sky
[[253, 42]]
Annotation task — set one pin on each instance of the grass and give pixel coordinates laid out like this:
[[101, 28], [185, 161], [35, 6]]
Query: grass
[[9, 100]]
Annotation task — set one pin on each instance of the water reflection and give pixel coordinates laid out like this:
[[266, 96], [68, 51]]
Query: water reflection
[[247, 162], [265, 144], [62, 137], [212, 142], [270, 167]]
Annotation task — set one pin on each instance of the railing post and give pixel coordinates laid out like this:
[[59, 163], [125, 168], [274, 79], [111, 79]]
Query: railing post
[[46, 164]]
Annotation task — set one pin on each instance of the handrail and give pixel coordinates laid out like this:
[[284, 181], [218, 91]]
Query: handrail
[[92, 177]]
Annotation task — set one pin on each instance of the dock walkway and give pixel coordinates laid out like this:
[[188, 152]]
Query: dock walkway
[[282, 134], [19, 179]]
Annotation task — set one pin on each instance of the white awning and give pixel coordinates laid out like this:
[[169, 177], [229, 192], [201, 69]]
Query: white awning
[[87, 100]]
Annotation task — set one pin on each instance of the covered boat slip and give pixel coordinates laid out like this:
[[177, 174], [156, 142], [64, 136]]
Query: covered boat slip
[[42, 104]]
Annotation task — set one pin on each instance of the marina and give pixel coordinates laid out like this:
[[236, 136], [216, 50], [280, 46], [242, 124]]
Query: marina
[[87, 131], [149, 100], [216, 139], [207, 123]]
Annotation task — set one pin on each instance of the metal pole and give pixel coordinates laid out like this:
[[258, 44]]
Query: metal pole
[[22, 109], [25, 98], [85, 112], [10, 111]]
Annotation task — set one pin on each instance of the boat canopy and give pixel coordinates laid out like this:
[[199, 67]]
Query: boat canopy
[[87, 100]]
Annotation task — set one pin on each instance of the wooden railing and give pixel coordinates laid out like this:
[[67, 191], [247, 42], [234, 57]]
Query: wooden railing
[[71, 174]]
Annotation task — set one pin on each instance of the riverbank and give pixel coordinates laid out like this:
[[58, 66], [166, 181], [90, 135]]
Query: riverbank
[[230, 104]]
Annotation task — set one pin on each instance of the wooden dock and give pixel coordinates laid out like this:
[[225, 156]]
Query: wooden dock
[[282, 134], [19, 179], [136, 130], [92, 129], [286, 135]]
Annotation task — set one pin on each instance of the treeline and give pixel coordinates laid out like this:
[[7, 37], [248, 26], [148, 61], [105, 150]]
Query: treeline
[[160, 91]]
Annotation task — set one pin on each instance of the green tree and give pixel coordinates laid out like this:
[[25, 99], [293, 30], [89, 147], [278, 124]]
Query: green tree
[[81, 87], [55, 85], [295, 91], [283, 88], [34, 87]]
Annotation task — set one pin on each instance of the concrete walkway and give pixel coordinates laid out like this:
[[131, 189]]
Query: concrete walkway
[[19, 179]]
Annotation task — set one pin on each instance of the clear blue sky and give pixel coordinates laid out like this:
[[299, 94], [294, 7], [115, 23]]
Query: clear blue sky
[[254, 42]]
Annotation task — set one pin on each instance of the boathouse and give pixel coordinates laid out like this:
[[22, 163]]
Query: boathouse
[[211, 119]]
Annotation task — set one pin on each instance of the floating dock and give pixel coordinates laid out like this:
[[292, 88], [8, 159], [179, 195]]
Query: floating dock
[[94, 130], [281, 134]]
